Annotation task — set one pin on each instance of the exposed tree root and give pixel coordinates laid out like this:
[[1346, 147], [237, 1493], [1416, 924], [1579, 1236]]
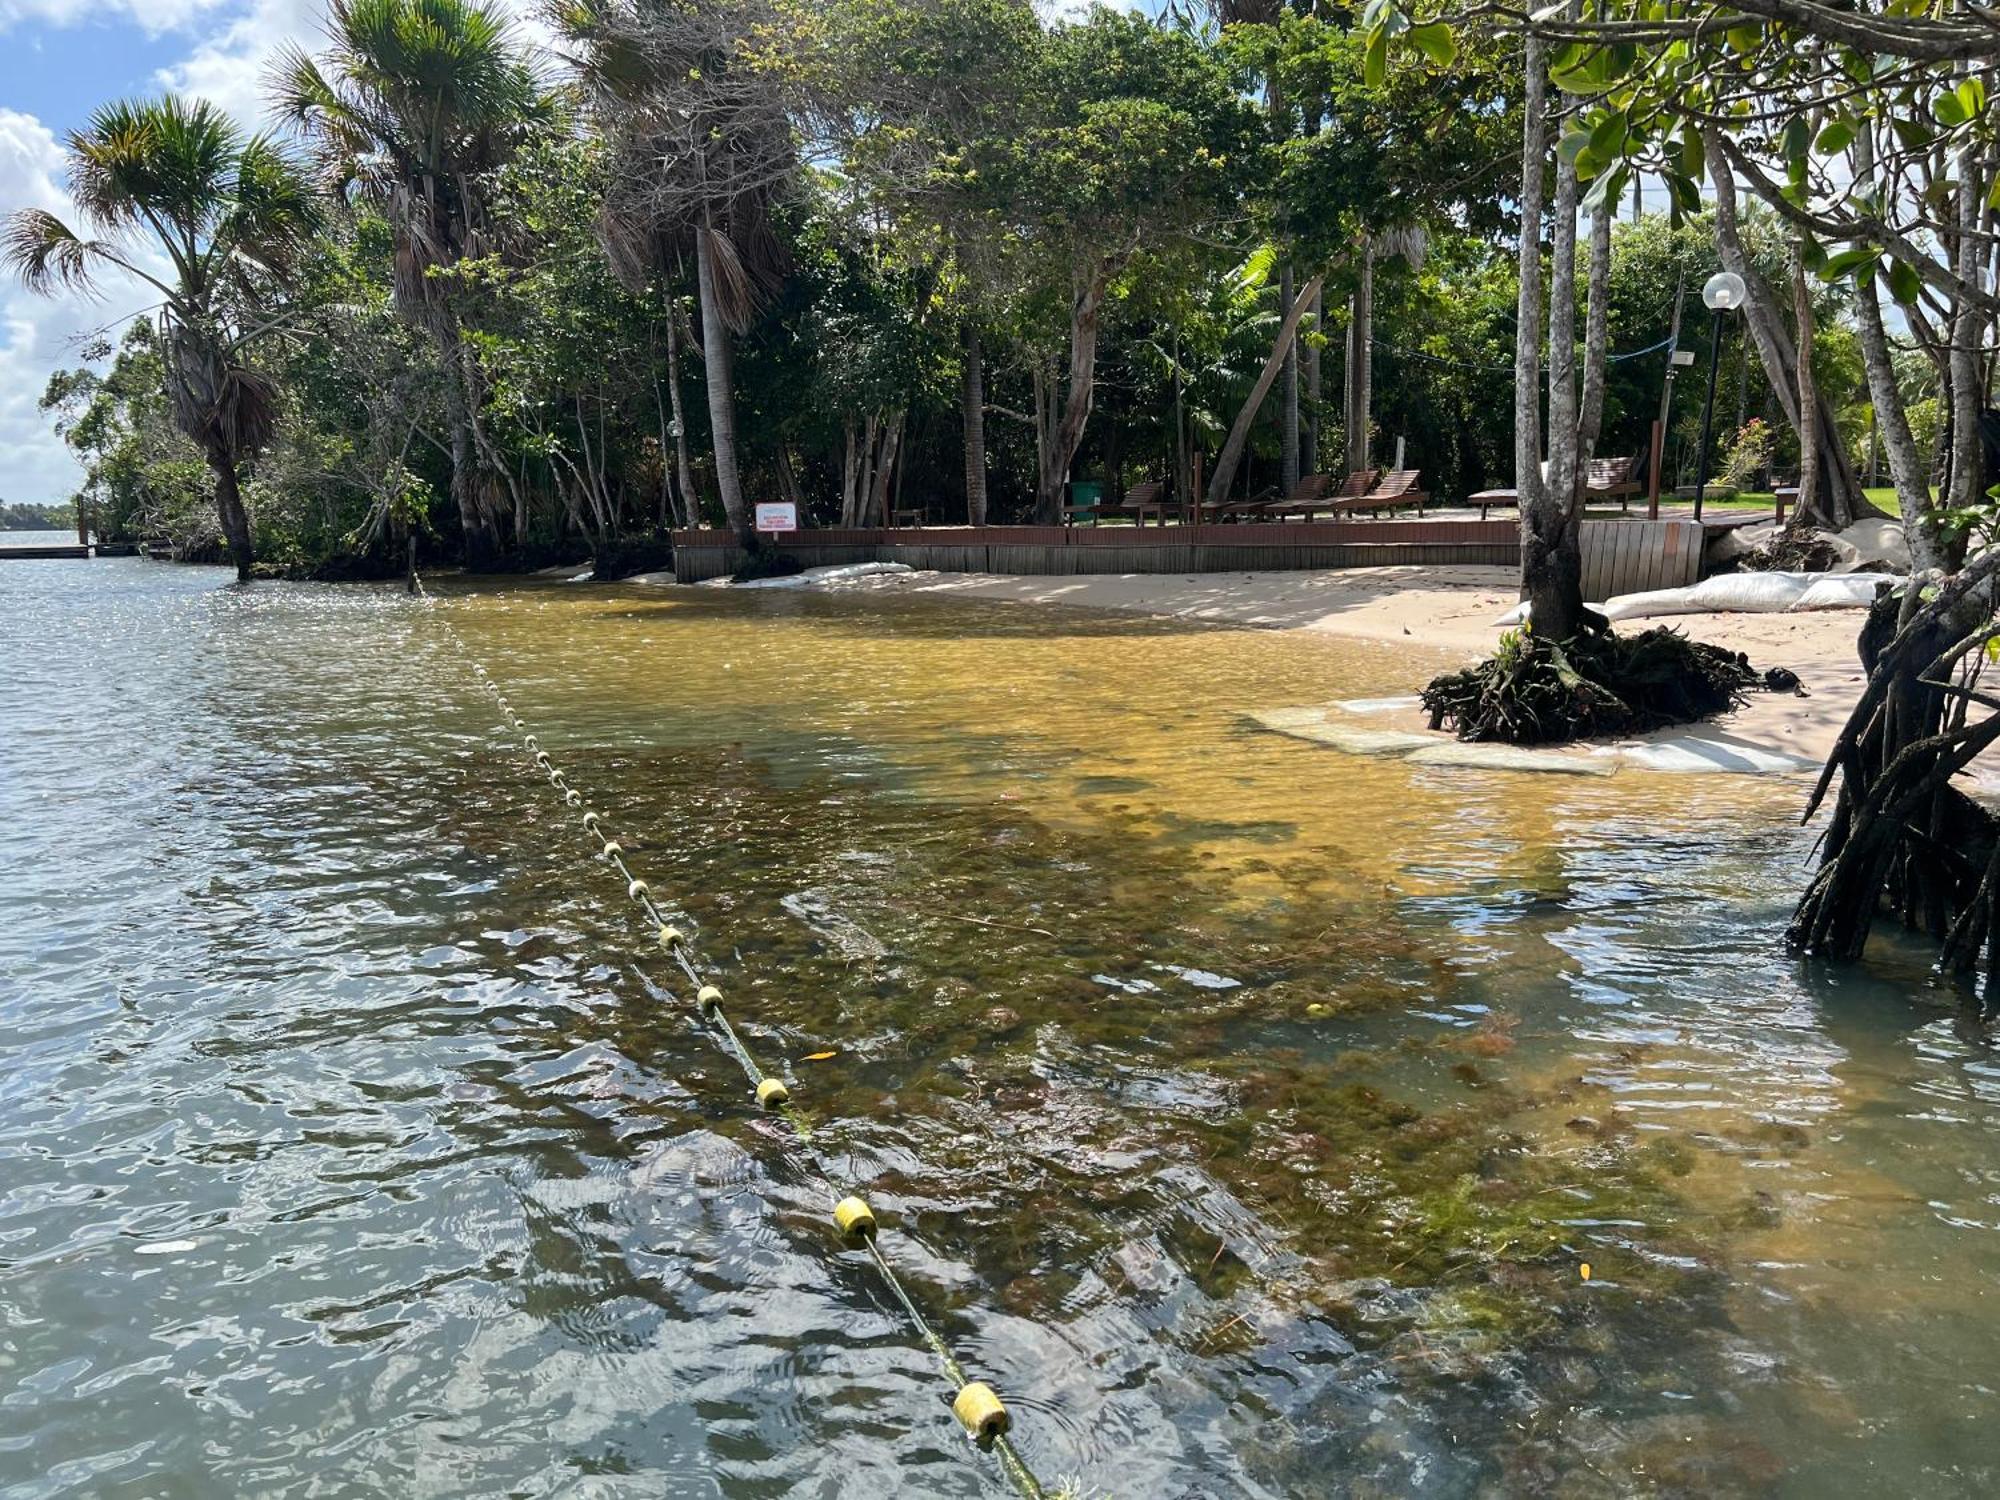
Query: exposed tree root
[[1903, 838], [1536, 692]]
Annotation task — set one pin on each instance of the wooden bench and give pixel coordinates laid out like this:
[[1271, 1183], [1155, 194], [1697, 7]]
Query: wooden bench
[[1142, 500], [1607, 479], [1612, 479]]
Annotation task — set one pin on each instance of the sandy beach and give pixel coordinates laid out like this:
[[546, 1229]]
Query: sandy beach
[[1455, 610]]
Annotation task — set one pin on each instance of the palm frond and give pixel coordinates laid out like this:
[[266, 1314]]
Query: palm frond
[[47, 255], [735, 290]]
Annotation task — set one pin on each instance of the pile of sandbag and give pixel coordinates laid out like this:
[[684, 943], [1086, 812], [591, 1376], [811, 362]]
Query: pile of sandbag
[[1741, 593]]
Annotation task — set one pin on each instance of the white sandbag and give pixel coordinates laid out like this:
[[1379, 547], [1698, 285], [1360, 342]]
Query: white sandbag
[[1842, 591], [820, 577], [1727, 593], [1878, 541]]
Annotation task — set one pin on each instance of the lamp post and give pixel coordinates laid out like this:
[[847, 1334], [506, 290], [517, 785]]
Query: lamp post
[[1722, 293]]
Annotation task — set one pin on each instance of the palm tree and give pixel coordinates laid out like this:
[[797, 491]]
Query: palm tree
[[702, 152], [416, 102], [175, 195]]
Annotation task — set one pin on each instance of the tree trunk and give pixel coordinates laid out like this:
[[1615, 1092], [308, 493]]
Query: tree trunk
[[482, 545], [230, 512], [1967, 476], [1596, 340], [690, 502], [719, 368], [875, 509], [1066, 435], [1288, 423], [972, 406], [1551, 550], [1239, 431], [1908, 468], [1844, 503], [1309, 459], [1528, 306], [1808, 388], [1359, 416], [850, 473]]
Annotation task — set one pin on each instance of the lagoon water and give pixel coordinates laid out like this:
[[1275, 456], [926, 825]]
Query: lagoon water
[[1245, 1111]]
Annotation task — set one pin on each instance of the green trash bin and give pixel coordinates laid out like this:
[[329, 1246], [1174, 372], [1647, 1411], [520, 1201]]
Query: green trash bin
[[1085, 496]]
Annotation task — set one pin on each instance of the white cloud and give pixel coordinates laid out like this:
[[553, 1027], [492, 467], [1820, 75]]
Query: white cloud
[[40, 334], [232, 47], [229, 64], [153, 16]]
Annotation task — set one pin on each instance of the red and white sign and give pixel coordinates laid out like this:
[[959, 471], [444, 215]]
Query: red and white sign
[[779, 515]]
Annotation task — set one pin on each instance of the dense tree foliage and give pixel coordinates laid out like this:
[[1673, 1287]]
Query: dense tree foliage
[[942, 256]]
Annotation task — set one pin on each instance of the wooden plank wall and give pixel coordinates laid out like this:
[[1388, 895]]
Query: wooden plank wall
[[1619, 557]]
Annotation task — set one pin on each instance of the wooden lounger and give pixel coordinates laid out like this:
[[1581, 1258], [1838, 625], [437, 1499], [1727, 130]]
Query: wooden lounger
[[1142, 500], [1397, 488], [1315, 494]]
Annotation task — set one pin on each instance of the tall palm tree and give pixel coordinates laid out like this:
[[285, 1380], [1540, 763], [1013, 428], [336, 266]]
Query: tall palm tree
[[413, 105], [176, 196], [702, 151]]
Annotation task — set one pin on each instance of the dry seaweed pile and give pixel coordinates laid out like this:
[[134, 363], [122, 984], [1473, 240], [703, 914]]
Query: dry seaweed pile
[[1538, 692], [1796, 549]]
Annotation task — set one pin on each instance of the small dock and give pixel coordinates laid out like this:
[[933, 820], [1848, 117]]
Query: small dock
[[46, 549]]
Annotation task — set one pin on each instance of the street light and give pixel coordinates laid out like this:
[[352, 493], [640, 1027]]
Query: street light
[[1722, 293]]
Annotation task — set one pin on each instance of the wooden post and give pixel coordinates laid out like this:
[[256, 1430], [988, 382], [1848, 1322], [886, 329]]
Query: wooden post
[[1653, 477]]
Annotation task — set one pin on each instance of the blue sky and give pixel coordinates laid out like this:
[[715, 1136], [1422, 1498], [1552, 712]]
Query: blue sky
[[59, 60]]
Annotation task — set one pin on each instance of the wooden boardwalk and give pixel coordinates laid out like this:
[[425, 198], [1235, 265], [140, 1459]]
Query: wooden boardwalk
[[45, 550], [1619, 556]]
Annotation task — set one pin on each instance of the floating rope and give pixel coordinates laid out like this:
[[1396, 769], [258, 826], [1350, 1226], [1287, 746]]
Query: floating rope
[[976, 1405]]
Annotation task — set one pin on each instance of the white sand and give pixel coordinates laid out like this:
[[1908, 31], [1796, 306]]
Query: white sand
[[1453, 609]]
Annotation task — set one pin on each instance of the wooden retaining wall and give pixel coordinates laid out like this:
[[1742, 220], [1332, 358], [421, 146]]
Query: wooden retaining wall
[[1619, 557]]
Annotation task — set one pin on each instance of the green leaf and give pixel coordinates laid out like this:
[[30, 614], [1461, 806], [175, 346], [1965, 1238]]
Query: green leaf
[[1607, 192], [1912, 132], [1694, 154], [1571, 146], [1797, 139], [1607, 136], [1836, 138], [1746, 38], [1904, 283], [1972, 97], [1375, 64], [1949, 110], [1436, 42], [1839, 265]]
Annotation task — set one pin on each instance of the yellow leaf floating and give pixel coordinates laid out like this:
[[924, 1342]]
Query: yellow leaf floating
[[1585, 1268], [820, 1056]]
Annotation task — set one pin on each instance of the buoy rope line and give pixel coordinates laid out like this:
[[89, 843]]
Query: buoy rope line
[[977, 1407]]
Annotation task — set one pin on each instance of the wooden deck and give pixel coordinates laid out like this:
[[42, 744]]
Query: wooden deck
[[45, 550], [1620, 556]]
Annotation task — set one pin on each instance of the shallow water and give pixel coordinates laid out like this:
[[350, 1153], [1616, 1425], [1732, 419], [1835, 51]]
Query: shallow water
[[345, 1147]]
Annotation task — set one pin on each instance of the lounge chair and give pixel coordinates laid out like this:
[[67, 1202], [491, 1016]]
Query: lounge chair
[[1393, 491], [1142, 500], [1256, 508], [1315, 494]]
